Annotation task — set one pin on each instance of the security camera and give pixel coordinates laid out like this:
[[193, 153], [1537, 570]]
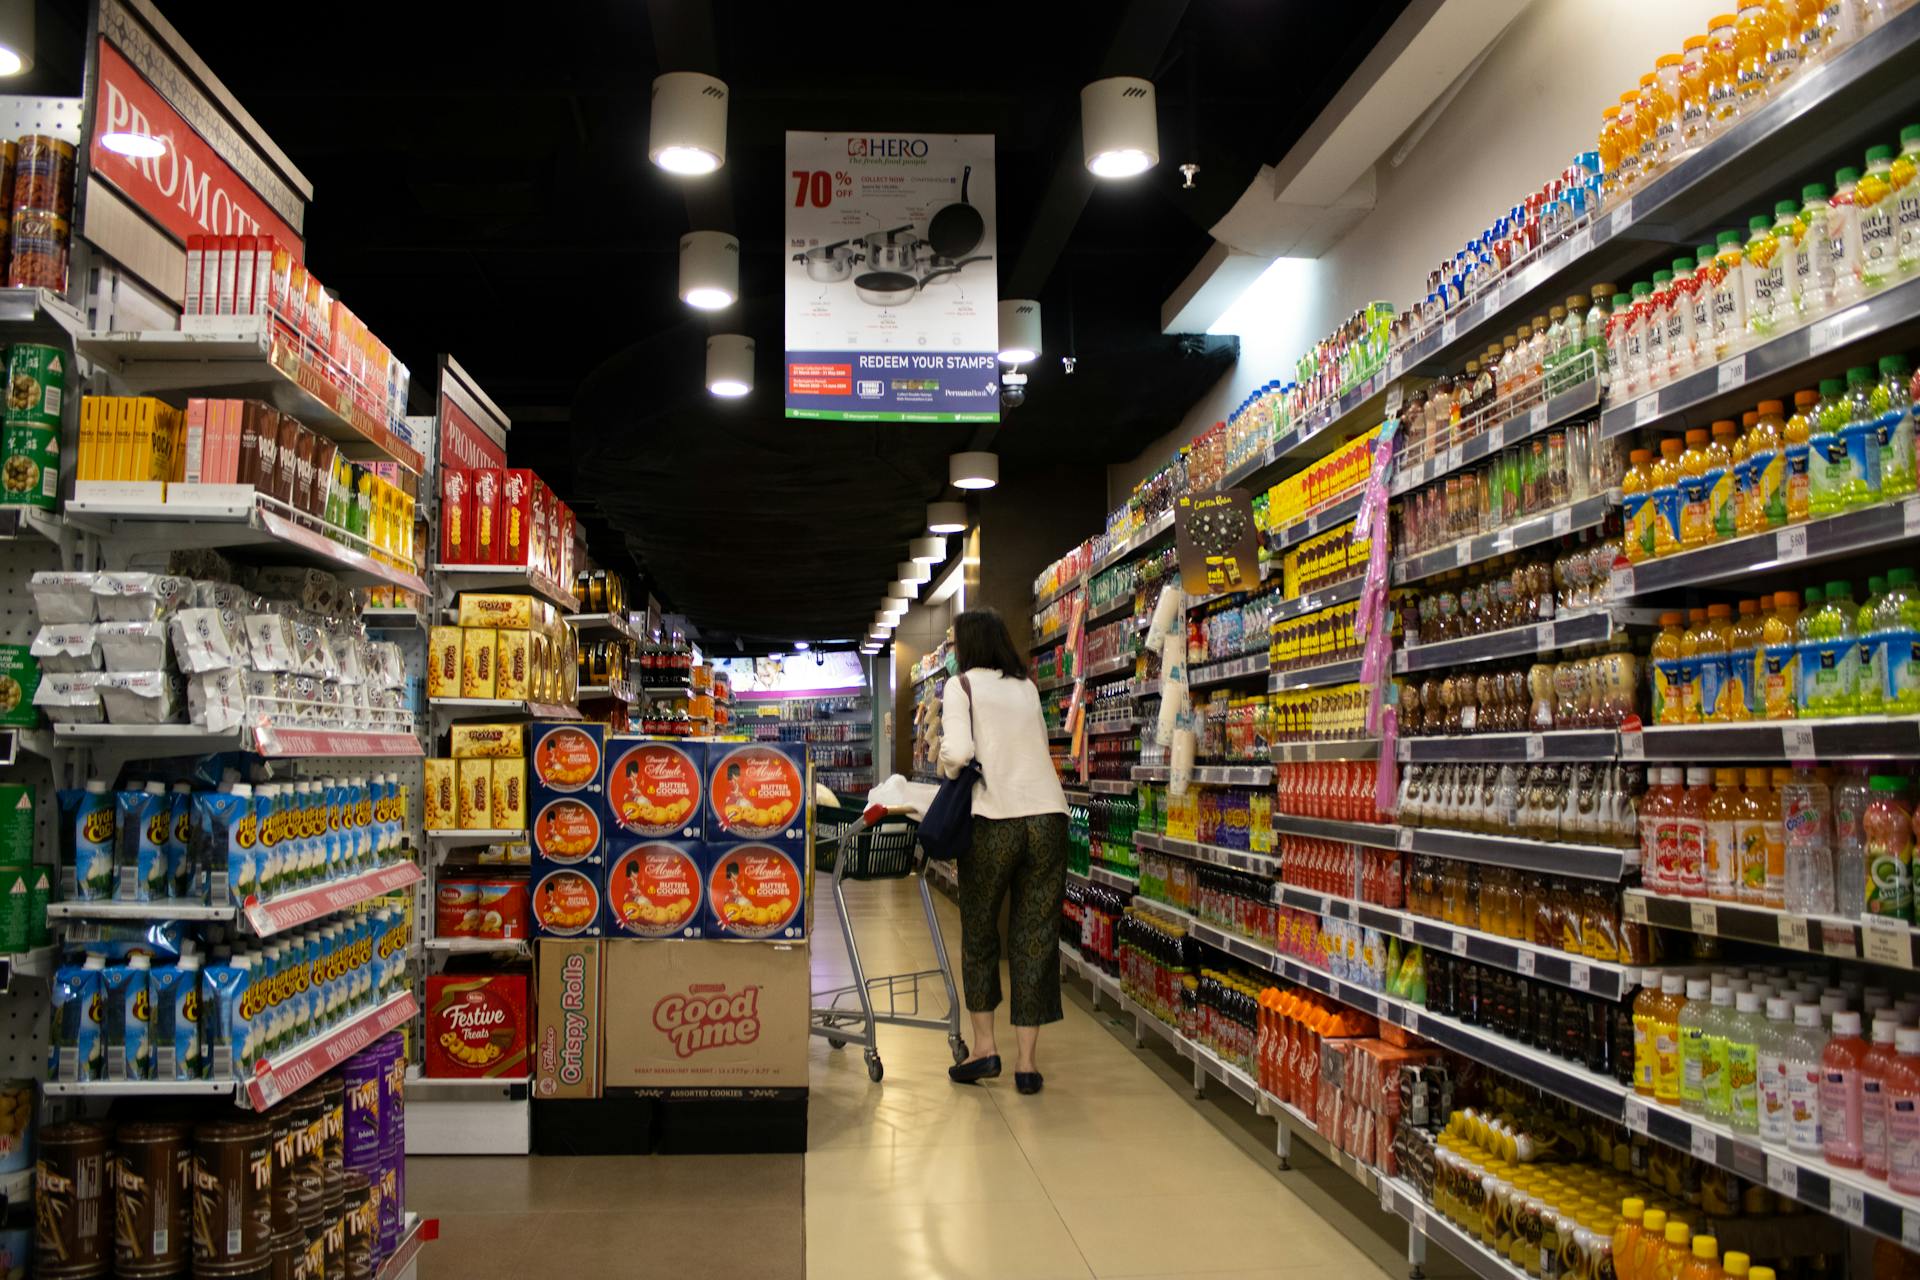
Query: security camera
[[1013, 390]]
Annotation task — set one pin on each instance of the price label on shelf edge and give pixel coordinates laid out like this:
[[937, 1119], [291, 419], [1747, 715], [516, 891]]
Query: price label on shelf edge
[[1910, 1229], [1733, 373], [1636, 1115], [1634, 907], [1849, 1204], [1646, 409], [1536, 747], [1703, 917], [1886, 941], [1783, 1178], [1404, 838], [1910, 517], [1581, 244], [1523, 961], [1796, 741], [1459, 943], [1792, 932], [1537, 418], [1705, 1146], [1449, 330], [1563, 522], [1579, 976], [1620, 582], [1633, 745], [1790, 544]]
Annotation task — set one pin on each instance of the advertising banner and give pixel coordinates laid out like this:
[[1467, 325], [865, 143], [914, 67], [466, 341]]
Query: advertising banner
[[1218, 546], [892, 308]]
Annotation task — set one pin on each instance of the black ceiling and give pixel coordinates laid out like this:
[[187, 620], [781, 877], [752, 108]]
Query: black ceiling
[[482, 188]]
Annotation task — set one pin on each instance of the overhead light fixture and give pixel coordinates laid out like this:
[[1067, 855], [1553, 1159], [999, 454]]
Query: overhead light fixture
[[947, 517], [901, 587], [134, 146], [709, 269], [878, 632], [1019, 330], [973, 470], [928, 551], [687, 133], [16, 41], [913, 571], [886, 616], [1119, 128], [801, 646], [729, 365]]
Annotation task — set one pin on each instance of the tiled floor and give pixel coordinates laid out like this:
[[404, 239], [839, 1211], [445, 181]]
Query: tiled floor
[[1115, 1170]]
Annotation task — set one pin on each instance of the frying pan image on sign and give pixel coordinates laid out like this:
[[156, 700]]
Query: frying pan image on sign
[[830, 263], [897, 288], [955, 230]]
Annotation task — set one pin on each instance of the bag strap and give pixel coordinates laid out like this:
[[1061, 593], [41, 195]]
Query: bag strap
[[972, 732]]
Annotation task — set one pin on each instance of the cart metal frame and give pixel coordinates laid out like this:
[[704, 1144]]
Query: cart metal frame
[[883, 848]]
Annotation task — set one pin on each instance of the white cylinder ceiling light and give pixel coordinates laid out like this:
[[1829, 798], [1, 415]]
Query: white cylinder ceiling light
[[901, 587], [1019, 330], [16, 41], [709, 269], [928, 551], [687, 130], [913, 571], [947, 517], [878, 633], [729, 365], [973, 470], [1119, 127]]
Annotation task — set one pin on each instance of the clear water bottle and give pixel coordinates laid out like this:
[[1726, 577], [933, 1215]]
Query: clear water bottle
[[1850, 795], [1806, 809]]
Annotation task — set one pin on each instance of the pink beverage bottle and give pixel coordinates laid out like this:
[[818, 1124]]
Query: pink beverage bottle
[[1840, 1100], [1656, 818], [1874, 1067], [1902, 1098], [1691, 821]]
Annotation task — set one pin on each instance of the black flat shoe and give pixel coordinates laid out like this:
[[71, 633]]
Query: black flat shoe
[[973, 1072], [1028, 1081]]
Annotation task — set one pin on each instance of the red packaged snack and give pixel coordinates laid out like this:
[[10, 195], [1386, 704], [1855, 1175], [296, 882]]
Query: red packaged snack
[[456, 516], [486, 516], [560, 539], [539, 550], [474, 908], [476, 1025], [516, 516]]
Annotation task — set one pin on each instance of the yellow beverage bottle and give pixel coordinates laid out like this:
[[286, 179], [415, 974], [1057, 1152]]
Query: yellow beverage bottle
[[1724, 455], [1669, 695], [1666, 1076], [1636, 502], [1734, 1265], [1742, 473], [1674, 1258], [1715, 657], [1645, 1004], [1653, 1244], [1723, 843], [1705, 1262], [1798, 434], [1666, 497], [1744, 651], [1756, 31], [1694, 642], [1608, 144], [1696, 502], [1774, 893], [1750, 834], [1781, 656], [1767, 465]]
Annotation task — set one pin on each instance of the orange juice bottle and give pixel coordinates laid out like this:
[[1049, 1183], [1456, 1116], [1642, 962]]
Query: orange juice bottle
[[1666, 497], [1663, 103], [1653, 1243], [1723, 71], [1744, 655], [1692, 642], [1644, 1067], [1669, 688], [1723, 842], [1715, 656], [1782, 657], [1628, 123], [1734, 1265], [1757, 31], [1724, 450], [1666, 1079], [1695, 59], [1797, 437], [1608, 144], [1705, 1262], [1646, 112], [1626, 1236], [1672, 1260], [1696, 503], [1750, 835], [1774, 894], [1767, 466], [1636, 501]]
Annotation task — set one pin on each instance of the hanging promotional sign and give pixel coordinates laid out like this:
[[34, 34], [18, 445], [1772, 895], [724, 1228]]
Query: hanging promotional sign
[[892, 309], [1217, 544]]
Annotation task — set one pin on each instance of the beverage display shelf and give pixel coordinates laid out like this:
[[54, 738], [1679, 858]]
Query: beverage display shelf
[[1074, 877], [1339, 749], [1586, 513], [1142, 538], [1319, 598], [275, 1079], [467, 707], [604, 692], [159, 909], [507, 577], [1345, 671], [1105, 982], [1352, 413], [1258, 863], [1403, 1200], [1237, 1081], [1145, 1016], [1077, 795], [1563, 631], [275, 742], [1166, 910], [1769, 368], [1856, 96], [392, 616], [1562, 407], [1110, 787], [237, 519], [1227, 670], [1546, 963], [1847, 1194], [1110, 666], [1893, 943], [1213, 775], [614, 622], [291, 910], [1331, 516], [1046, 598], [1046, 641], [1051, 683], [1552, 746], [1557, 1076], [1842, 738], [1375, 835], [1113, 879], [1121, 604], [1725, 563], [1105, 728], [1582, 861], [245, 360]]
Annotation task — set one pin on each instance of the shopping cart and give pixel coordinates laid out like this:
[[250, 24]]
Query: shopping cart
[[880, 844]]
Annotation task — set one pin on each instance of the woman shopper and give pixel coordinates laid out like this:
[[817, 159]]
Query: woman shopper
[[991, 713]]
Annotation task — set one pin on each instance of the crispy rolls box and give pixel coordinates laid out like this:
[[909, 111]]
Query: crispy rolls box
[[568, 827], [567, 1041], [706, 1014]]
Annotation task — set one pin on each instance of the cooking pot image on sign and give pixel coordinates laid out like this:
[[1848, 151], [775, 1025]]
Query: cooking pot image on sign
[[893, 250], [955, 230], [897, 288], [830, 263]]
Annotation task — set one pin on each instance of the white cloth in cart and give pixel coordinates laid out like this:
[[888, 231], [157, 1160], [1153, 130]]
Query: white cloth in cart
[[901, 792]]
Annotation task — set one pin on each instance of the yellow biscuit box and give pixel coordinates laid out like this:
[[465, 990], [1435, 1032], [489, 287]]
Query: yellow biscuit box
[[512, 677], [443, 662], [479, 650], [442, 800], [476, 794], [510, 794], [471, 741], [492, 609]]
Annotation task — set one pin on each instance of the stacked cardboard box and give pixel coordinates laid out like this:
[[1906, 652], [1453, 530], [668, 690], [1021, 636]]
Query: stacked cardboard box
[[483, 787]]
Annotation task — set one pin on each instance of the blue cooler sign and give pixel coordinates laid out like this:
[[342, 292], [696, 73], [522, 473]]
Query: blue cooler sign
[[892, 307]]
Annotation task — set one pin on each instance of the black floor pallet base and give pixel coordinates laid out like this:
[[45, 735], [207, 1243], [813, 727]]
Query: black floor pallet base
[[624, 1123]]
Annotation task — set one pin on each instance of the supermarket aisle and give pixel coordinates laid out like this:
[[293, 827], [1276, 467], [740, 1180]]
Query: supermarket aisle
[[1115, 1170]]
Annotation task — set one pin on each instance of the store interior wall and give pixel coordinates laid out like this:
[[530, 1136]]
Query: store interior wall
[[921, 629], [1026, 522], [1532, 105]]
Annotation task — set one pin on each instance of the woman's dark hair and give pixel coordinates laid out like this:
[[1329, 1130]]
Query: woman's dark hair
[[980, 639]]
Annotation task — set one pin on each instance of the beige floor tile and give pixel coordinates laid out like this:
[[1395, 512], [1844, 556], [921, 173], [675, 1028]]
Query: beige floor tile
[[631, 1244], [493, 1184], [768, 1186], [1122, 1235], [852, 1177], [500, 1237], [1072, 1168], [1003, 1240]]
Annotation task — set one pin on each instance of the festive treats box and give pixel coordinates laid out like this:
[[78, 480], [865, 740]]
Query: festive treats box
[[476, 1025]]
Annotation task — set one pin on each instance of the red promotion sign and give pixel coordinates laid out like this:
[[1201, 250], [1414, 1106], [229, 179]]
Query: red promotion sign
[[188, 189], [463, 442]]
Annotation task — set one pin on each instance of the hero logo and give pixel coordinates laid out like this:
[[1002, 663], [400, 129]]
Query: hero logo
[[887, 148], [708, 1018]]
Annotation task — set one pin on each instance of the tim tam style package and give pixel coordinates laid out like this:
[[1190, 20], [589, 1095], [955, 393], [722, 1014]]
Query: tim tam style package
[[568, 1035], [656, 790], [757, 792], [755, 891], [706, 1015], [476, 1025], [653, 890]]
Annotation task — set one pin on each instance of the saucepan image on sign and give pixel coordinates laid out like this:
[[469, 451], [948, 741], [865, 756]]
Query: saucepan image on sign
[[1218, 546]]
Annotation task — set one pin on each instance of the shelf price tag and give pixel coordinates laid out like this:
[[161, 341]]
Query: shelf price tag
[[1563, 521], [1449, 330], [1459, 944], [1386, 1195], [1537, 419], [1703, 917], [1793, 932], [1406, 928], [1849, 1204], [1396, 365], [1885, 941], [1382, 1008], [1909, 1230], [1523, 961], [1790, 544], [1633, 745], [1579, 977], [1796, 741], [1706, 1146], [1733, 373], [1646, 409], [1783, 1178], [1581, 244], [1536, 747], [1634, 907], [1636, 1115], [1454, 456], [1620, 582], [1404, 839], [1622, 218]]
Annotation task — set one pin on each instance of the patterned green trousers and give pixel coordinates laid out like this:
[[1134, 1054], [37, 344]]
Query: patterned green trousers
[[1029, 857]]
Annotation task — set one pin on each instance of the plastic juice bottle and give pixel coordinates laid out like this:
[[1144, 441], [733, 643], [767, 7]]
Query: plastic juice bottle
[[1666, 497], [1706, 278], [1843, 239], [1757, 29], [1636, 501], [1653, 1242], [1870, 675], [1742, 476], [1644, 114], [1851, 793], [1874, 1069], [1674, 1257], [1696, 500], [1830, 666], [1705, 1262], [1801, 1054], [1690, 821], [1892, 400], [1901, 1092], [1827, 450], [1807, 813], [1633, 346], [1773, 816], [1815, 294], [1729, 295], [1645, 1004], [1663, 101], [1765, 278], [1906, 201], [1736, 1265], [1744, 658], [1594, 327], [1691, 643], [1860, 434], [1786, 235], [1742, 1071], [1714, 654], [1627, 1232], [1660, 304], [1666, 1042], [1693, 1045], [1717, 1098], [1656, 829], [1679, 319], [1888, 825], [1840, 1099], [1780, 693], [1898, 621], [1772, 1070], [1796, 451], [1766, 502], [1695, 70], [1608, 143], [1721, 507], [1750, 839], [1723, 840], [1873, 197]]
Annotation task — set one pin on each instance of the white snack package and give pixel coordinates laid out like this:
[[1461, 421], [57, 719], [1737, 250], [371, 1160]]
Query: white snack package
[[133, 646], [70, 697], [66, 647], [60, 598], [139, 697], [217, 700], [203, 640], [348, 654], [138, 597], [270, 642]]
